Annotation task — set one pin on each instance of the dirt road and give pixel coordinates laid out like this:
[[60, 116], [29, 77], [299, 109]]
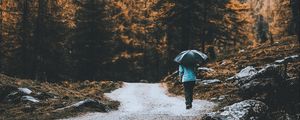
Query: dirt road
[[143, 101]]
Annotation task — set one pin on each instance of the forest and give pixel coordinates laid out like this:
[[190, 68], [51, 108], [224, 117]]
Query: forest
[[90, 45], [52, 40]]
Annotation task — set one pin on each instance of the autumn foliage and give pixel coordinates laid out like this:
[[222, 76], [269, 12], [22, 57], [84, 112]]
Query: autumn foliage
[[128, 40]]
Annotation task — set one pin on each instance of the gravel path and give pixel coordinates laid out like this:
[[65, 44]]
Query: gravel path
[[143, 101]]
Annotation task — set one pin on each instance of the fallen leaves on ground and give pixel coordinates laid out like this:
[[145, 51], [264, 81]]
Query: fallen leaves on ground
[[53, 96]]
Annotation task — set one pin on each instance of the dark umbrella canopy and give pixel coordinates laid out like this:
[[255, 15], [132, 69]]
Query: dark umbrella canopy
[[190, 57]]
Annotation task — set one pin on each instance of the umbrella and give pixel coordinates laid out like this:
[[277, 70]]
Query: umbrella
[[190, 57]]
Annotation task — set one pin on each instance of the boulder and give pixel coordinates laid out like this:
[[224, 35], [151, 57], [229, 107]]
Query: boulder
[[25, 91], [219, 98], [272, 86], [29, 99], [258, 89], [244, 110], [288, 59], [245, 73], [208, 82], [270, 82], [222, 97], [21, 94], [17, 95], [262, 85], [204, 69], [249, 73], [87, 103]]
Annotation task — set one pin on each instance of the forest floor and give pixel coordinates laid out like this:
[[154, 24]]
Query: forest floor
[[145, 101], [225, 92], [51, 98]]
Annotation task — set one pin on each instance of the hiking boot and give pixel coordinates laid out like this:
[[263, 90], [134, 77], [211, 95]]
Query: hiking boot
[[188, 107]]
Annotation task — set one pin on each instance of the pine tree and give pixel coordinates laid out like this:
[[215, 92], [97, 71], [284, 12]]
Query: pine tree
[[26, 49], [192, 24], [295, 4], [53, 65], [89, 39], [1, 38]]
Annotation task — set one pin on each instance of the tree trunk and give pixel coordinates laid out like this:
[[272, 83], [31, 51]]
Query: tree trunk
[[203, 44], [25, 57], [186, 26], [1, 23], [39, 35], [204, 28], [298, 21], [1, 38], [295, 4]]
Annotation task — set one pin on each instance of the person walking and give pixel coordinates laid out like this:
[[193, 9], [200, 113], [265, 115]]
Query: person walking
[[188, 77], [187, 63]]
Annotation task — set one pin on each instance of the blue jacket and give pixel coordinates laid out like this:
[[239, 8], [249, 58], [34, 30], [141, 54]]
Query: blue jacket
[[187, 73]]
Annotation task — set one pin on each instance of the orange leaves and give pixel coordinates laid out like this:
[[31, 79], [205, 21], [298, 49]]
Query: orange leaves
[[134, 27], [136, 23], [126, 13], [67, 13], [163, 45], [276, 14], [118, 4], [126, 55], [121, 28], [123, 7], [125, 39], [237, 6], [9, 12]]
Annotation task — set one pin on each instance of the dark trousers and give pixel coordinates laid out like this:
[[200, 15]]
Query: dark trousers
[[188, 91]]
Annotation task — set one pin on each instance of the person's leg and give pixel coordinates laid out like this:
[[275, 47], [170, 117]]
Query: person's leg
[[192, 91], [188, 91]]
